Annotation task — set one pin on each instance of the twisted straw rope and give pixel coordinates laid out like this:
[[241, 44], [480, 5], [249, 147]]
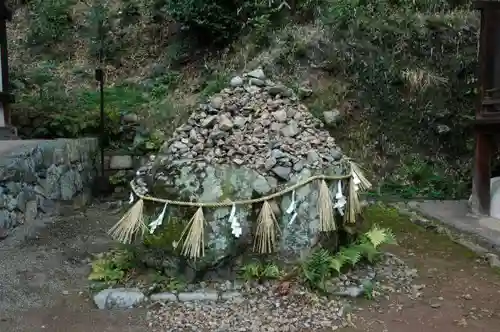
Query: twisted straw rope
[[242, 202]]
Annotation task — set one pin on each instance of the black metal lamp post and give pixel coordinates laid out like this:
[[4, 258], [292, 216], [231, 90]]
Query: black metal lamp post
[[101, 184], [99, 76]]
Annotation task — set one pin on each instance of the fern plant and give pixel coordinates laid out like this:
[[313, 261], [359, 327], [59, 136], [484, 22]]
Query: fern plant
[[260, 272], [112, 267], [317, 269], [322, 265]]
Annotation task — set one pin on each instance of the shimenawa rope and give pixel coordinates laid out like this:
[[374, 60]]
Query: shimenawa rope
[[267, 226]]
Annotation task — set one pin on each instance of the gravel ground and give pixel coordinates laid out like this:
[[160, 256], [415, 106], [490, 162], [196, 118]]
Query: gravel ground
[[286, 306]]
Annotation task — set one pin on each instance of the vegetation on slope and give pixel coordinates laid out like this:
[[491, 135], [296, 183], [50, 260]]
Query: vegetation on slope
[[400, 73]]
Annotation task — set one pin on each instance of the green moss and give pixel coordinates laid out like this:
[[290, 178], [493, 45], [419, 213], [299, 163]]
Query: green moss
[[166, 236], [227, 189], [413, 236]]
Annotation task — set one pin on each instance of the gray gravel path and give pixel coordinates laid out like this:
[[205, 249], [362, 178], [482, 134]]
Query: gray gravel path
[[43, 275]]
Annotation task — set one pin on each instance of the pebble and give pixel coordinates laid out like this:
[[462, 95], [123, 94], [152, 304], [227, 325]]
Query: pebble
[[236, 82], [331, 117], [257, 73], [493, 260]]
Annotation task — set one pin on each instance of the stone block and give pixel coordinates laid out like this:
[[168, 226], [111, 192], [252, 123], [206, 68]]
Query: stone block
[[119, 298], [199, 296], [121, 162], [164, 297]]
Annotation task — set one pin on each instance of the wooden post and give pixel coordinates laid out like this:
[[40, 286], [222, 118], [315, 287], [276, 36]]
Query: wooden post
[[6, 98], [4, 70], [487, 122], [482, 172]]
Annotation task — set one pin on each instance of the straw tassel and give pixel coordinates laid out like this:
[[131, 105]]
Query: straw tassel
[[194, 242], [325, 209], [356, 182], [130, 224], [354, 206], [363, 184], [267, 229]]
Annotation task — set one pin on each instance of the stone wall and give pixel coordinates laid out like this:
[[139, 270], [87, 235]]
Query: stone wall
[[35, 175]]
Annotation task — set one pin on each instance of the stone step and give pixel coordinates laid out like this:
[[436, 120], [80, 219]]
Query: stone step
[[8, 133]]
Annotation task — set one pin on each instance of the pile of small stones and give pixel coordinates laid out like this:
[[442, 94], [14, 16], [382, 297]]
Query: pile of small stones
[[258, 124]]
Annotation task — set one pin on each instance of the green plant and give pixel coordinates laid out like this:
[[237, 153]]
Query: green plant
[[112, 267], [409, 65], [318, 268], [260, 272], [214, 83], [417, 177], [221, 20], [165, 238], [57, 112], [167, 283], [322, 265], [50, 21], [150, 142], [119, 178], [368, 289]]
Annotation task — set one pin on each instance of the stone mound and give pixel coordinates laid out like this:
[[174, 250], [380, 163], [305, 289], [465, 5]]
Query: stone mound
[[250, 140], [257, 124]]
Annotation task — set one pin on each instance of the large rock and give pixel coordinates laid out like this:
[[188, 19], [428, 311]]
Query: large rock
[[251, 144]]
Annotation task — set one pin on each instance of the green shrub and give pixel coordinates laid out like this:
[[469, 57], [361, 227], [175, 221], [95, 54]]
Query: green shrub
[[220, 20], [50, 21], [411, 68], [112, 267], [51, 110]]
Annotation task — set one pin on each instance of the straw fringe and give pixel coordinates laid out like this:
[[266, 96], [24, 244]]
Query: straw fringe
[[325, 209], [364, 183], [194, 232], [130, 224], [353, 205], [267, 229]]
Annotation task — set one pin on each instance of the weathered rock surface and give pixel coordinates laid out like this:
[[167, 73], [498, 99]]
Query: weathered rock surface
[[35, 175], [248, 141], [119, 298]]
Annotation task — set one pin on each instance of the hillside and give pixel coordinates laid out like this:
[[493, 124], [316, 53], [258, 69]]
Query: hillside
[[394, 79]]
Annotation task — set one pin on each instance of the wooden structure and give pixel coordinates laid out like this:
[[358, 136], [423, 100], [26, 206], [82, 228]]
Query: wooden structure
[[6, 98], [487, 122]]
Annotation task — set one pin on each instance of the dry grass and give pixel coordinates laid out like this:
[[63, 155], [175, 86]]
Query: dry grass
[[420, 80]]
